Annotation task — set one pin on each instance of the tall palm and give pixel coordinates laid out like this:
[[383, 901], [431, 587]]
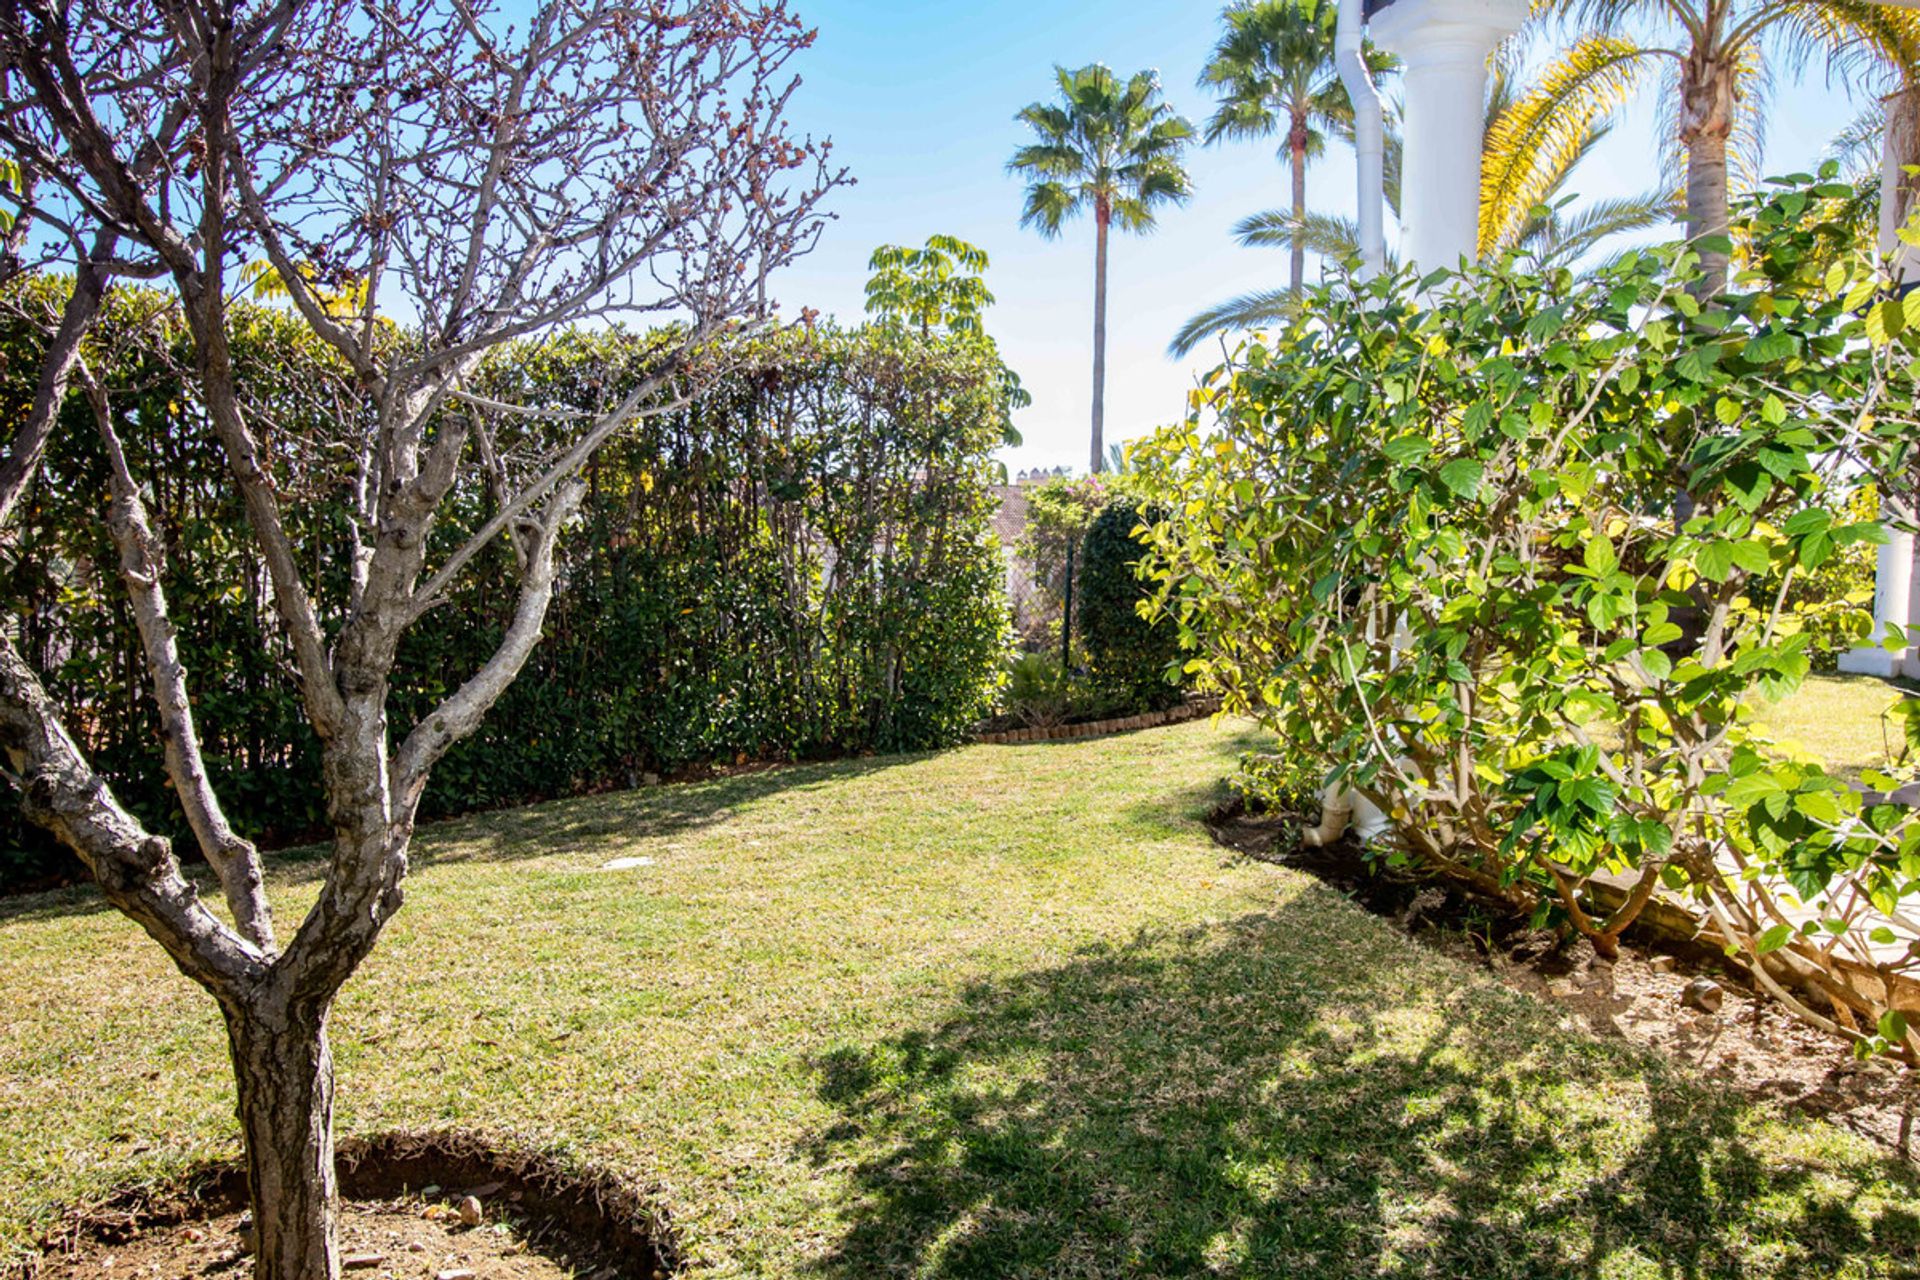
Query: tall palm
[[1112, 148], [1717, 57], [1275, 72]]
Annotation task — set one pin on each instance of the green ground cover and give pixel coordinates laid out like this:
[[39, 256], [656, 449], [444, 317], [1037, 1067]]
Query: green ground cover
[[1002, 1011]]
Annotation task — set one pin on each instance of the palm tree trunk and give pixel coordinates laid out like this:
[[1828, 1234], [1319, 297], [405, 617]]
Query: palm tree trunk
[[1101, 216], [1706, 121], [1901, 196], [1297, 153]]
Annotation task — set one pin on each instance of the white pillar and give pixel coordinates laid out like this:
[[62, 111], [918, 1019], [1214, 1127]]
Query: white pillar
[[1444, 45], [1369, 138], [1892, 603], [1893, 576]]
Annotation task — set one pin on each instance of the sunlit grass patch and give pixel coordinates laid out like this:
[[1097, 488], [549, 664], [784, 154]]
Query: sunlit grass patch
[[1004, 1011]]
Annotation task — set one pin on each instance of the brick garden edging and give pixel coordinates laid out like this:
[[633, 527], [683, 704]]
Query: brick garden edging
[[1192, 709]]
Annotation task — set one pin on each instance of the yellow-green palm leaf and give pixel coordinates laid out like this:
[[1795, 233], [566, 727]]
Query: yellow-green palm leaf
[[1534, 140]]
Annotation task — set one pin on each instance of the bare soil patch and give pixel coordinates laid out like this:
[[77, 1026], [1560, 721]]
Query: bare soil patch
[[413, 1207], [1746, 1043]]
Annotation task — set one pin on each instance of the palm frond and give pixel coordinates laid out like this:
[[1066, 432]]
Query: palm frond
[[1752, 103], [1856, 148], [1554, 239], [1248, 311], [1535, 138], [1321, 233]]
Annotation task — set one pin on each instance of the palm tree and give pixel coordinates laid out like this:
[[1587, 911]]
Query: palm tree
[[1535, 138], [1275, 73], [1717, 56], [1110, 147]]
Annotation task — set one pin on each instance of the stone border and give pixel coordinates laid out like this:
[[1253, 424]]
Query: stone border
[[1191, 709]]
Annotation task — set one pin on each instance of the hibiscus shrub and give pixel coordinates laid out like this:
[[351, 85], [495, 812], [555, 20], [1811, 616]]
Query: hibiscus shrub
[[1489, 545]]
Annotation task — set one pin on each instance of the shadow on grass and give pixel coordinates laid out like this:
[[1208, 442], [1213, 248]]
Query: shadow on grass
[[1265, 1097], [611, 818], [529, 831]]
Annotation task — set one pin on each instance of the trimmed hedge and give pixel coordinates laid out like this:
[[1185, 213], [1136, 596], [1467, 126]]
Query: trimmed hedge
[[1129, 656], [797, 565]]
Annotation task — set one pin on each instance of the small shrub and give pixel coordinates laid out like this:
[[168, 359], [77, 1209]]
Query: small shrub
[[1038, 692]]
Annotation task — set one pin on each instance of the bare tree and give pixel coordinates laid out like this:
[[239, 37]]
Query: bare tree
[[429, 182]]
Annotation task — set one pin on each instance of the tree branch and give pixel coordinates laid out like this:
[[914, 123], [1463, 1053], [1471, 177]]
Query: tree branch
[[461, 712], [135, 869], [142, 562]]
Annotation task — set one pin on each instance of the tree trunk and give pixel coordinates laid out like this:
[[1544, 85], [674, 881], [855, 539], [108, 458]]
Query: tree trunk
[[1101, 216], [1706, 121], [1297, 153], [1900, 190], [284, 1071]]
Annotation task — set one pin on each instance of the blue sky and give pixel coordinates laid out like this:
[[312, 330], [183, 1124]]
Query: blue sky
[[919, 99]]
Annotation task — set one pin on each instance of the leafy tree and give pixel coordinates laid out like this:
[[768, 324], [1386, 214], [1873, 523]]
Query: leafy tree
[[484, 174], [1717, 58], [940, 286], [1112, 149]]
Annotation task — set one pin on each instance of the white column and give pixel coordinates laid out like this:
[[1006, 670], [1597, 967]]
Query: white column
[[1893, 577], [1444, 46], [1892, 603]]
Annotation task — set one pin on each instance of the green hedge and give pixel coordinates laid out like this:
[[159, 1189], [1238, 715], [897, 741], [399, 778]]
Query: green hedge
[[1128, 655], [798, 565]]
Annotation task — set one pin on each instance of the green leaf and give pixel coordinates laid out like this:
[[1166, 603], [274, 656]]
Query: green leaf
[[1462, 475], [1812, 520], [1660, 633], [1885, 320], [1773, 939], [1406, 450], [1599, 555], [1751, 556], [1767, 348], [1659, 666], [1816, 550]]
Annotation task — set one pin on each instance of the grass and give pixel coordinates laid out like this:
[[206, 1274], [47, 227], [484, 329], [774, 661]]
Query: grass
[[1837, 720], [1004, 1011]]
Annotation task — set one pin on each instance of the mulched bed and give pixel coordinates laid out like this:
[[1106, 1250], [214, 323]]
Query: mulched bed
[[1747, 1043], [431, 1206]]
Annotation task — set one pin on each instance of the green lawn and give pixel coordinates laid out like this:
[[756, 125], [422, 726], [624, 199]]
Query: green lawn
[[1837, 720], [1004, 1011]]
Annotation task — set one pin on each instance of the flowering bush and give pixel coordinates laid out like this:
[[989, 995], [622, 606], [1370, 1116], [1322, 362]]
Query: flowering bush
[[1495, 561]]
